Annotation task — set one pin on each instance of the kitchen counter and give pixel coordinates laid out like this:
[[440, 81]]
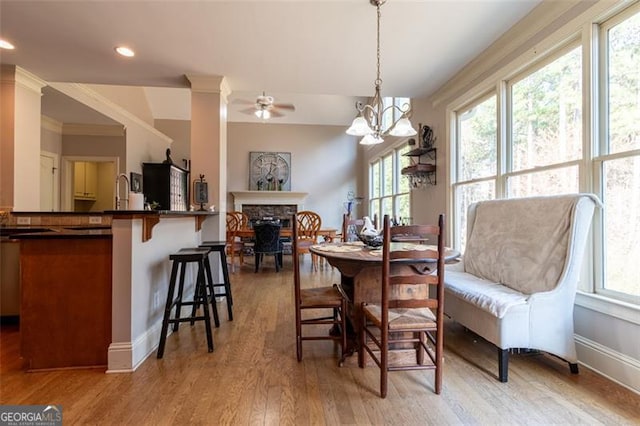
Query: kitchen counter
[[151, 217]]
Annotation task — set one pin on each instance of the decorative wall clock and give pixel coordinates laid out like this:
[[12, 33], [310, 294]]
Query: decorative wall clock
[[270, 171]]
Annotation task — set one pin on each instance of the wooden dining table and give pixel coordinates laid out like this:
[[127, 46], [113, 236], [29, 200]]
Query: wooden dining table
[[361, 272]]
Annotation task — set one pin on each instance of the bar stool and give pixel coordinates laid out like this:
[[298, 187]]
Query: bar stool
[[180, 260], [219, 246]]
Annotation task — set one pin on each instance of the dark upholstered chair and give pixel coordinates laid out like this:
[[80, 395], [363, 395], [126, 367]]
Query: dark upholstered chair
[[267, 242]]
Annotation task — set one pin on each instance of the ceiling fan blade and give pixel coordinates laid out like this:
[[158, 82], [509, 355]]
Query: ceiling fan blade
[[249, 111], [243, 102], [289, 107], [275, 113]]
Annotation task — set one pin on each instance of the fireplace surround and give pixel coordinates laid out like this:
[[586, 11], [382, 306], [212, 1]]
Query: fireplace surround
[[276, 204]]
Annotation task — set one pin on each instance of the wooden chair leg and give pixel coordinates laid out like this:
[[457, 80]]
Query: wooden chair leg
[[343, 326], [420, 348], [384, 366], [361, 342]]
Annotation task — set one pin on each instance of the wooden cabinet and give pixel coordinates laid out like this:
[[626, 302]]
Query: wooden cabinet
[[65, 315], [422, 170], [167, 185], [85, 175]]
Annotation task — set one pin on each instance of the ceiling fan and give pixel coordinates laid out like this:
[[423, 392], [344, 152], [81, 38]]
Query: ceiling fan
[[264, 107]]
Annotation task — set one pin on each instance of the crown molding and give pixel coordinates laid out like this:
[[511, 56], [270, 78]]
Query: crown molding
[[527, 28], [92, 129], [22, 77], [50, 124], [89, 97], [209, 84]]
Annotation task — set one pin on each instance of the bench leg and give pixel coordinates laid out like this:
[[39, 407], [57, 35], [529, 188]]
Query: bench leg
[[503, 364], [573, 367]]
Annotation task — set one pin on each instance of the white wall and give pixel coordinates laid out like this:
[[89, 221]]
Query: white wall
[[94, 146], [51, 136], [323, 162], [143, 142], [180, 132], [141, 272]]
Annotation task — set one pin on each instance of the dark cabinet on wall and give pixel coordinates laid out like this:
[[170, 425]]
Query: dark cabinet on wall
[[166, 184]]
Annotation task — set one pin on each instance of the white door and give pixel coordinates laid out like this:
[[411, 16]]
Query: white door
[[48, 182]]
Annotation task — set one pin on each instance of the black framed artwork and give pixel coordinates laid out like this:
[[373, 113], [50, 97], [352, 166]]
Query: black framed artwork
[[200, 192], [136, 182]]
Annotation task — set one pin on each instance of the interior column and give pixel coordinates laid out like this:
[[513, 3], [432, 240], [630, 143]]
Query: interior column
[[209, 145], [20, 116]]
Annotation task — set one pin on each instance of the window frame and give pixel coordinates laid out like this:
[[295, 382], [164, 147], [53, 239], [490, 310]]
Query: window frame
[[396, 175], [590, 39]]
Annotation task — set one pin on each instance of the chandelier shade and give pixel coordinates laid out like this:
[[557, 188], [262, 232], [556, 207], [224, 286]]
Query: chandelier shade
[[359, 127], [371, 139], [370, 115]]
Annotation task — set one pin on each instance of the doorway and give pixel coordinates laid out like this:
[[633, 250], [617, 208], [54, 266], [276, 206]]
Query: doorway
[[49, 182], [88, 183]]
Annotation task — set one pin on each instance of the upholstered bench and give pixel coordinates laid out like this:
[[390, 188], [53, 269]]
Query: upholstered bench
[[517, 280]]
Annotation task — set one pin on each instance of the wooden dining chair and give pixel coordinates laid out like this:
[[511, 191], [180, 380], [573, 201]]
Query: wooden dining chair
[[316, 301], [408, 313], [234, 243], [308, 228]]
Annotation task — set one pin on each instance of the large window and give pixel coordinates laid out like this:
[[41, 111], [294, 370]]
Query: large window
[[476, 157], [617, 168], [389, 191], [526, 137]]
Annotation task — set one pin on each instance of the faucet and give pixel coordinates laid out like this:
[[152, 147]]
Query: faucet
[[126, 179]]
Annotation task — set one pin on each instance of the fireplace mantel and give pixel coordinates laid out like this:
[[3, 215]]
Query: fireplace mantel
[[268, 197]]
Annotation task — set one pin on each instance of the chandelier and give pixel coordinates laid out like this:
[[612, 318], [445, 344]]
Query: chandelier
[[369, 121]]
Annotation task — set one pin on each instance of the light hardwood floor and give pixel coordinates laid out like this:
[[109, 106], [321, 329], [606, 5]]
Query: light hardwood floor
[[252, 377]]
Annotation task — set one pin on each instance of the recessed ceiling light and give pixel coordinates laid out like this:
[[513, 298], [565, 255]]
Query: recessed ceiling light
[[4, 44], [125, 51]]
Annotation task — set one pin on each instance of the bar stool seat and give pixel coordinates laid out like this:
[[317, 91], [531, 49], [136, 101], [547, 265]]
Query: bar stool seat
[[220, 248], [203, 288]]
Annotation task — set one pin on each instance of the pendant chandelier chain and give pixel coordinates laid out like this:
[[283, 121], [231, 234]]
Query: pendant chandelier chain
[[373, 115], [378, 79]]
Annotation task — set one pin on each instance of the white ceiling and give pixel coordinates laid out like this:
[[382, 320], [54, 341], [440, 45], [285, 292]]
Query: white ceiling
[[319, 55]]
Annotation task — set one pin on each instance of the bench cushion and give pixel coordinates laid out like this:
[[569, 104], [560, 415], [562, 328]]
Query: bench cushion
[[521, 243], [490, 296]]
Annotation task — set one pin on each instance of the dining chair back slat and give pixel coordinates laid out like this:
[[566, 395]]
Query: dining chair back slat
[[309, 224], [235, 221]]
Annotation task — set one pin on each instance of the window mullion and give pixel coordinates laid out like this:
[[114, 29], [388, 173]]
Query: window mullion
[[503, 163]]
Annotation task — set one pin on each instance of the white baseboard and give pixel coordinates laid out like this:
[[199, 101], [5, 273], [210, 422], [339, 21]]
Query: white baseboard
[[126, 357], [119, 357], [615, 366]]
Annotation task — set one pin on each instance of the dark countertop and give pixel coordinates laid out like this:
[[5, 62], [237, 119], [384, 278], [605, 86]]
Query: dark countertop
[[55, 232], [161, 212], [118, 212], [52, 232]]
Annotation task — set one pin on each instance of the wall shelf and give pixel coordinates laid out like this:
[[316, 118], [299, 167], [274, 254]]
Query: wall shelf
[[421, 173]]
